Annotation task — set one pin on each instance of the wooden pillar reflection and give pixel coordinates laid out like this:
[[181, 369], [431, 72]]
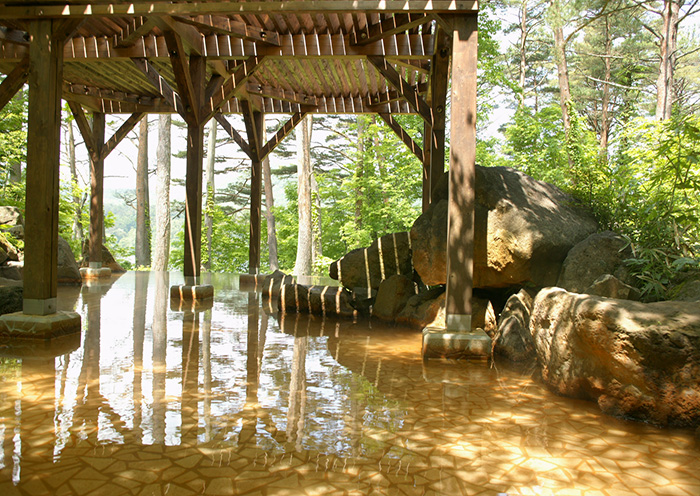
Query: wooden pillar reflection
[[139, 327], [43, 143], [97, 165], [460, 226], [206, 366], [37, 428], [189, 411], [255, 196], [296, 410]]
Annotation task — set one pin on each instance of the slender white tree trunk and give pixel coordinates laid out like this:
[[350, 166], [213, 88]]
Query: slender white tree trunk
[[162, 239], [302, 266], [143, 231], [210, 192], [667, 52]]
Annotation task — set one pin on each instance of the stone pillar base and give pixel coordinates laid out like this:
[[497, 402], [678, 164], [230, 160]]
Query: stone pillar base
[[95, 273], [189, 293], [178, 305], [441, 343], [20, 325]]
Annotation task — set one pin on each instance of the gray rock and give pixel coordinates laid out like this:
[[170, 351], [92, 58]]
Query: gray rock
[[7, 251], [368, 267], [108, 260], [424, 309], [610, 286], [597, 255], [523, 231], [513, 339], [10, 216], [10, 299], [68, 270], [316, 300], [392, 296], [637, 360], [11, 271], [688, 290]]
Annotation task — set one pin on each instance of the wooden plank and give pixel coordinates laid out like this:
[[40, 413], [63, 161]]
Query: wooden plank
[[403, 135], [161, 85], [279, 94], [45, 79], [398, 23], [107, 94], [136, 28], [414, 99], [282, 133], [235, 136], [14, 82], [97, 165], [460, 224], [85, 129], [121, 133], [226, 26], [87, 8]]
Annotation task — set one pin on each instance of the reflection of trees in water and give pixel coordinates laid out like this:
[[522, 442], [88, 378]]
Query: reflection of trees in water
[[160, 346]]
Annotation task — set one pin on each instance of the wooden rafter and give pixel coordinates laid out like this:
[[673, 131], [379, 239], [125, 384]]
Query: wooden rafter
[[226, 26], [181, 69], [403, 135], [235, 84], [137, 28], [393, 96], [161, 85], [415, 101], [254, 140], [15, 36], [120, 134], [13, 82], [278, 94], [235, 136], [282, 133], [107, 94], [398, 23]]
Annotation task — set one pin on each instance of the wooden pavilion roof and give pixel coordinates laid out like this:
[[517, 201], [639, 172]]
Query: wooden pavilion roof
[[331, 56]]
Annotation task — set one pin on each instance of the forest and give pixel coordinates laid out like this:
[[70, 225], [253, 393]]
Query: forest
[[601, 99]]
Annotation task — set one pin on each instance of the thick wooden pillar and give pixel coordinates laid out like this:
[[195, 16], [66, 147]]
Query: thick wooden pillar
[[43, 143], [256, 136], [434, 136], [97, 165], [460, 225], [193, 180]]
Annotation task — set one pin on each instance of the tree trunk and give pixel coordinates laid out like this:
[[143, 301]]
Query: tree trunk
[[143, 237], [522, 46], [667, 63], [269, 215], [77, 225], [563, 74], [302, 266], [162, 240], [605, 114], [316, 245], [209, 198], [360, 171]]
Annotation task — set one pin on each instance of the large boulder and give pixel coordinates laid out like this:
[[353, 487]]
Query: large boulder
[[68, 270], [272, 283], [368, 267], [610, 286], [10, 299], [10, 216], [523, 230], [687, 290], [392, 296], [637, 360], [316, 300], [597, 255], [513, 339]]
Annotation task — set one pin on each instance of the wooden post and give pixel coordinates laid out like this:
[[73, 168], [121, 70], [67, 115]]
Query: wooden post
[[255, 193], [43, 143], [193, 180], [460, 224], [97, 164]]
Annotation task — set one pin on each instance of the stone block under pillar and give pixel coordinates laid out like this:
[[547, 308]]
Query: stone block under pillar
[[178, 305], [95, 273], [441, 343], [20, 325], [188, 293], [251, 282]]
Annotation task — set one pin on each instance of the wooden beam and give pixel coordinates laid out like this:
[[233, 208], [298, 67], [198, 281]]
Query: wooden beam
[[121, 133], [255, 128], [107, 94], [96, 104], [280, 94], [85, 129], [97, 165], [460, 222], [235, 84], [403, 135], [226, 26], [137, 27], [14, 82], [393, 96], [87, 8], [161, 85], [15, 36], [398, 23], [235, 136], [434, 135], [415, 101], [282, 133], [178, 59]]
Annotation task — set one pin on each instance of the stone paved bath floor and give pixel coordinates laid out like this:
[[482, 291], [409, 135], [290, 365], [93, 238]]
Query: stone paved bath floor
[[152, 400]]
